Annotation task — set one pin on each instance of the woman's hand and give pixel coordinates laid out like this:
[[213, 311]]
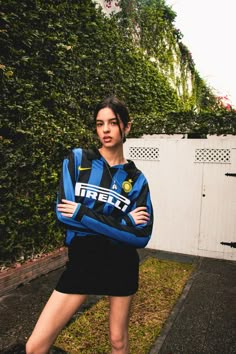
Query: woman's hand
[[67, 208], [140, 215]]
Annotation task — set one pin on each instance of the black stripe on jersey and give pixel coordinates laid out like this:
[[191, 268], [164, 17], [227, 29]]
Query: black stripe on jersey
[[142, 198]]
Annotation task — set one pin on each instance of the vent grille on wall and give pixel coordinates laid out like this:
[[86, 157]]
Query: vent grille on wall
[[212, 155], [144, 153]]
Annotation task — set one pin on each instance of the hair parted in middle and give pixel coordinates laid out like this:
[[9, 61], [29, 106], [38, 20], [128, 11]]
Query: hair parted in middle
[[118, 107]]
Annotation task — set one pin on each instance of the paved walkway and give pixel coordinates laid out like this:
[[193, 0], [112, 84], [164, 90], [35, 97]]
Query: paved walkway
[[204, 319], [202, 322]]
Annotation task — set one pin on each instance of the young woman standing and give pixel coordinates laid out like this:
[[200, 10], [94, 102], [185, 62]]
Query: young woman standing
[[104, 201]]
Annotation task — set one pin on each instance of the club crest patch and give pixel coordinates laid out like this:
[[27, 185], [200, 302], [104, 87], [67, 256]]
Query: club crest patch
[[127, 186]]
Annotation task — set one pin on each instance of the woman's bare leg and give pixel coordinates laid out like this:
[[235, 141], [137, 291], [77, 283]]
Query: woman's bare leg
[[119, 322], [56, 313]]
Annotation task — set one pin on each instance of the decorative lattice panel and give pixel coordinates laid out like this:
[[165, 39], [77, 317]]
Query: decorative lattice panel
[[212, 155], [144, 153]]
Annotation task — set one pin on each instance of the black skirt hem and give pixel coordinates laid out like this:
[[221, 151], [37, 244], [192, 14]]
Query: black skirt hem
[[96, 293]]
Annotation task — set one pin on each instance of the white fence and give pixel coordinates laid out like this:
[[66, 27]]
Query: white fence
[[194, 200]]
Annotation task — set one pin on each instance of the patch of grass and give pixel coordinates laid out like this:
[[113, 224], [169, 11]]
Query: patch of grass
[[161, 283]]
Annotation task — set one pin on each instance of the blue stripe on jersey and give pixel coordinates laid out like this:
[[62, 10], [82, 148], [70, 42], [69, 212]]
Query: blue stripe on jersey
[[77, 161]]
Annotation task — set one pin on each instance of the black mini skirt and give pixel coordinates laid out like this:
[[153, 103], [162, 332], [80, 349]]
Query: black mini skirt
[[100, 266]]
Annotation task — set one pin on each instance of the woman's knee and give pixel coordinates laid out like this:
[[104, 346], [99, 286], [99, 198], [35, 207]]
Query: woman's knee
[[30, 348], [35, 347], [118, 341]]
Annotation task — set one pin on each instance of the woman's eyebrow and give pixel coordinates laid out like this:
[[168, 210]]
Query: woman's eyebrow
[[110, 119]]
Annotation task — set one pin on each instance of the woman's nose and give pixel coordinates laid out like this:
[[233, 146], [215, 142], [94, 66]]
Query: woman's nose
[[106, 127]]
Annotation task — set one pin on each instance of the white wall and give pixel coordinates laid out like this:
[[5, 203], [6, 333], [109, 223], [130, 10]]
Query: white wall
[[194, 202]]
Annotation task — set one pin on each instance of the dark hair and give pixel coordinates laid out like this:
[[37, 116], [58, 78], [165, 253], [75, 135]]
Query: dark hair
[[117, 106]]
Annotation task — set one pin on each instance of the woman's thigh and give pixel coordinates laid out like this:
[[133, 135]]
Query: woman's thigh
[[56, 313]]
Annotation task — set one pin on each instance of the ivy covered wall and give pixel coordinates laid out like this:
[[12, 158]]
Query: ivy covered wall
[[152, 24]]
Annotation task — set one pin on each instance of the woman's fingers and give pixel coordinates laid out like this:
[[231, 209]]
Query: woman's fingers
[[140, 215], [138, 209], [67, 208], [69, 202]]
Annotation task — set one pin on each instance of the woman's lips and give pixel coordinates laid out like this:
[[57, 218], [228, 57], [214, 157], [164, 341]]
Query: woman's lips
[[107, 139]]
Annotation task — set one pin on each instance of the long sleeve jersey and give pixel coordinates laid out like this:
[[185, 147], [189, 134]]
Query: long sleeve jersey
[[105, 196]]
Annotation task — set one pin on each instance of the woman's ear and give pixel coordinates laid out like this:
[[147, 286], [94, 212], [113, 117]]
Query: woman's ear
[[127, 128]]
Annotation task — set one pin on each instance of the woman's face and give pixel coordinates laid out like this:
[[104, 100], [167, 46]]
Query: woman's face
[[110, 133]]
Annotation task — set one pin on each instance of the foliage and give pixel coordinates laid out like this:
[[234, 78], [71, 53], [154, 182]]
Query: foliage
[[215, 122], [57, 60], [151, 23], [161, 283], [39, 119]]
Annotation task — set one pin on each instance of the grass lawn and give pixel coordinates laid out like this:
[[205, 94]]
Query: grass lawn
[[161, 284]]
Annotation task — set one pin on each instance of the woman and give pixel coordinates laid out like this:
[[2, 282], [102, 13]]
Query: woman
[[105, 203]]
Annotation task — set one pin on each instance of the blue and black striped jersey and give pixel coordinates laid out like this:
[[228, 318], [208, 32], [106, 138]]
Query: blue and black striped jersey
[[105, 196]]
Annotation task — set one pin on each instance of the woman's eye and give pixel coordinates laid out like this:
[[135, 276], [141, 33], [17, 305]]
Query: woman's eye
[[114, 123]]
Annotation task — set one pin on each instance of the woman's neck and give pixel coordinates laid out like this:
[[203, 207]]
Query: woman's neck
[[113, 157]]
